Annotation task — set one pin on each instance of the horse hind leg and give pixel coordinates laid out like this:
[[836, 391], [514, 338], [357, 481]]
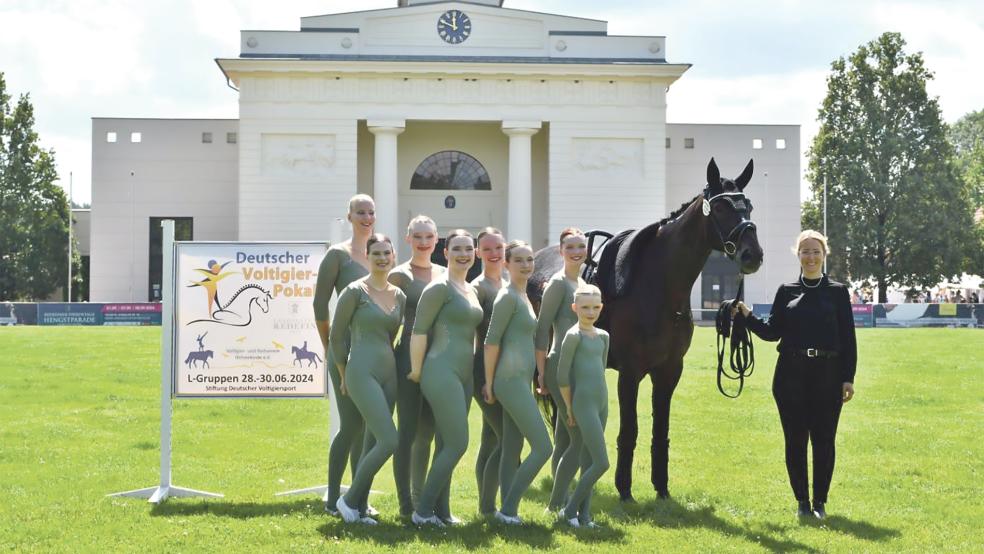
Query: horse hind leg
[[628, 432], [660, 447]]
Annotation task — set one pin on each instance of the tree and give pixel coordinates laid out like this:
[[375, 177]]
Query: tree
[[897, 211], [34, 212], [967, 137]]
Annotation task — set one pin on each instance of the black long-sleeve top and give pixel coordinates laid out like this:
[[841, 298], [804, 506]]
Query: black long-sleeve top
[[804, 317]]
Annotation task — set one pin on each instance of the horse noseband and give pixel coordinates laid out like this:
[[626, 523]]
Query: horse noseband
[[741, 205]]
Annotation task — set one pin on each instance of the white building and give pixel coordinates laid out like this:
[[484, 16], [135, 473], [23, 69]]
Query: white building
[[469, 112]]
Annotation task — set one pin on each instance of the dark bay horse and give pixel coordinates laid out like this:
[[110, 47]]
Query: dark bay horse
[[646, 277]]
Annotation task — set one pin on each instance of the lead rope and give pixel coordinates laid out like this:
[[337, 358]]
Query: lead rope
[[742, 358]]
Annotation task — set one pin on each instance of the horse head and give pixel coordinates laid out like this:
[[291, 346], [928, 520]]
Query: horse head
[[729, 212], [263, 301]]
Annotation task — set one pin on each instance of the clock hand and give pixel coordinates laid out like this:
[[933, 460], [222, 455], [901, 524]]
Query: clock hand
[[448, 24], [454, 19]]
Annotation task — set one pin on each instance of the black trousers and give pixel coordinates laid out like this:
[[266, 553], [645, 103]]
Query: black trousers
[[808, 394]]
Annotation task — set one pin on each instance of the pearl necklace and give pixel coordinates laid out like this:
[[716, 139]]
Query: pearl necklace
[[803, 282]]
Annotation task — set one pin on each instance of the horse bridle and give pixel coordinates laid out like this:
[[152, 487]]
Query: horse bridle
[[741, 205]]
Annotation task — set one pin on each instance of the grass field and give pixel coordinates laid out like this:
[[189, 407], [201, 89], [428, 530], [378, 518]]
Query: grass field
[[79, 418]]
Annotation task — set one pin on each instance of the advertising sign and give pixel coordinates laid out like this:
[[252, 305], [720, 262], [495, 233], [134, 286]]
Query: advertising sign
[[244, 321], [63, 313], [864, 315]]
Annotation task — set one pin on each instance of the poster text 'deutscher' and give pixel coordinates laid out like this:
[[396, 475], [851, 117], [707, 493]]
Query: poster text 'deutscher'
[[244, 323]]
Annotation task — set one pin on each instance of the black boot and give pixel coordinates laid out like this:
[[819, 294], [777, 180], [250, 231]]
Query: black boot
[[803, 509], [819, 511]]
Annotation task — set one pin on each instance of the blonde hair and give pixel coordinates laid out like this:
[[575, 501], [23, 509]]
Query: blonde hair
[[811, 234], [420, 219], [360, 198], [587, 289], [514, 245]]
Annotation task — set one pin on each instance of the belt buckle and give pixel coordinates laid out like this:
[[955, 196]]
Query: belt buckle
[[811, 353]]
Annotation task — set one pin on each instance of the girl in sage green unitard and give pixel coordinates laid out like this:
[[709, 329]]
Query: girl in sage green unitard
[[366, 321], [555, 314], [509, 365], [583, 357], [447, 317], [491, 250], [342, 264], [414, 420]]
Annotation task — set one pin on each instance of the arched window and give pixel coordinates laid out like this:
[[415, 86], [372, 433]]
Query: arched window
[[450, 170]]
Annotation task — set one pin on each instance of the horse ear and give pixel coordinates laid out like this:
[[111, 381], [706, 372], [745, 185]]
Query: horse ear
[[742, 181], [713, 174]]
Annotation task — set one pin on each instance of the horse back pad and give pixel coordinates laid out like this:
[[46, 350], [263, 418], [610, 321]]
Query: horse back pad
[[615, 269]]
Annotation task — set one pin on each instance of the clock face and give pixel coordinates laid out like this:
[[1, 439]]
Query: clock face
[[454, 26]]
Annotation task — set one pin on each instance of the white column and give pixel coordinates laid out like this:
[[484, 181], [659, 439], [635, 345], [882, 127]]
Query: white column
[[519, 220], [384, 181]]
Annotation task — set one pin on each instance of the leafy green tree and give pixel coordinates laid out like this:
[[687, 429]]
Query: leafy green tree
[[967, 137], [897, 211], [34, 212]]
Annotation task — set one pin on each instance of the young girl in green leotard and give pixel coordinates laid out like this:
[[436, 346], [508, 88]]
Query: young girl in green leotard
[[581, 378], [509, 365], [415, 422], [555, 315], [366, 320], [442, 350], [491, 250], [343, 263]]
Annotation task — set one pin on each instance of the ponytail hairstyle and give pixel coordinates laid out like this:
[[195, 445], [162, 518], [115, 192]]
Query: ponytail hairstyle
[[490, 231], [420, 219], [457, 233], [570, 232], [514, 245], [375, 238], [360, 198]]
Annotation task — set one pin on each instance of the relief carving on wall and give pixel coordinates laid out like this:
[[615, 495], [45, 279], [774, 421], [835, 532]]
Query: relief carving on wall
[[298, 155], [616, 159]]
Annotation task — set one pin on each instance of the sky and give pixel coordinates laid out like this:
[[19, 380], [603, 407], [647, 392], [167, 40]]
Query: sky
[[760, 62]]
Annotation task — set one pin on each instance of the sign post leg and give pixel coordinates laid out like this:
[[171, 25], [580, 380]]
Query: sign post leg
[[161, 492]]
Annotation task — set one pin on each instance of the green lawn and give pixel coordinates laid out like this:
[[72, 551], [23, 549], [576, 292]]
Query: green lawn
[[79, 418]]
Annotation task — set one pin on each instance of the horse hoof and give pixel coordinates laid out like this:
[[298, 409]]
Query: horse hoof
[[627, 498], [663, 494]]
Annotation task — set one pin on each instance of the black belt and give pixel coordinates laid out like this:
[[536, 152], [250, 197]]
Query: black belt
[[812, 352]]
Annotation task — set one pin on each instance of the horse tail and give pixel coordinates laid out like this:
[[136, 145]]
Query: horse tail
[[548, 407]]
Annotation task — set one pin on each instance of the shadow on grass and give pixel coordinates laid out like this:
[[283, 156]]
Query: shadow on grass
[[237, 510], [858, 529], [475, 534], [668, 513]]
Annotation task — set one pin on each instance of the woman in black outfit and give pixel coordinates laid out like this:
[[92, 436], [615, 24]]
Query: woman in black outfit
[[813, 322]]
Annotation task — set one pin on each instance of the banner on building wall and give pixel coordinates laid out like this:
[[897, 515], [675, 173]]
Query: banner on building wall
[[244, 321]]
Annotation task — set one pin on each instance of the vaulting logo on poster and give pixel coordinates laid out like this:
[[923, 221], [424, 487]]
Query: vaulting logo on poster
[[244, 322]]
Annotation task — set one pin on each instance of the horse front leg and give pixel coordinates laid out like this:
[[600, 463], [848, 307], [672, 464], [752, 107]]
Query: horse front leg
[[628, 431], [664, 381]]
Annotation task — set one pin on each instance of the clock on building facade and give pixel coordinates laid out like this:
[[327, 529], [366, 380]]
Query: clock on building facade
[[454, 26]]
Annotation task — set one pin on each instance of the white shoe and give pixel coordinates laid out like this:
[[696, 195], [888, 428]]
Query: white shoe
[[562, 517], [350, 515], [368, 521], [508, 520], [371, 512], [590, 525], [451, 521], [330, 510], [419, 520]]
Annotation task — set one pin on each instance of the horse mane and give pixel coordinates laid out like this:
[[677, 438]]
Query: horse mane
[[242, 289]]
